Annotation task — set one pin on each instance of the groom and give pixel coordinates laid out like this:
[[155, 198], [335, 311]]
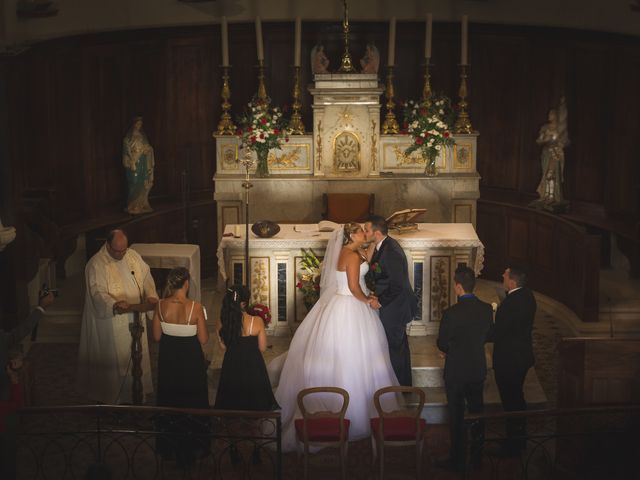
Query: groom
[[396, 302]]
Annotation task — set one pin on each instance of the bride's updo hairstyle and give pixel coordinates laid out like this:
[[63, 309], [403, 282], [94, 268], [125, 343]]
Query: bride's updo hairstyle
[[231, 313], [349, 228], [175, 280]]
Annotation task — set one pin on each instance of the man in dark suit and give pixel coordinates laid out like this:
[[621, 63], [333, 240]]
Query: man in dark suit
[[513, 352], [396, 301], [463, 333]]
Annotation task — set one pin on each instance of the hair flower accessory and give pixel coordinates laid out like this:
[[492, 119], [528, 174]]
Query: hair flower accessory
[[262, 311]]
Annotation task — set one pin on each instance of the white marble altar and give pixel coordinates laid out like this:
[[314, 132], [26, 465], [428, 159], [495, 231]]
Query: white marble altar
[[171, 255], [346, 153], [433, 253]]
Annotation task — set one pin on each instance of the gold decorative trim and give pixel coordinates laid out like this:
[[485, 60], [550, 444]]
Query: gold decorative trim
[[260, 280], [349, 169], [292, 153], [412, 161], [319, 147], [439, 286], [463, 156], [228, 157], [374, 147]]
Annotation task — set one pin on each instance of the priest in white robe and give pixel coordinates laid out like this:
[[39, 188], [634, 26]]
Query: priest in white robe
[[116, 277]]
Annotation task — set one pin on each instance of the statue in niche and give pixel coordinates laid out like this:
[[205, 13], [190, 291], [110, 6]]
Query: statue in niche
[[137, 157], [346, 153], [371, 60], [319, 61], [554, 138]]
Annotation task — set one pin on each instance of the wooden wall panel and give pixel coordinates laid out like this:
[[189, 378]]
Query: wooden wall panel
[[103, 101], [562, 259], [517, 239], [589, 118], [499, 79], [70, 102]]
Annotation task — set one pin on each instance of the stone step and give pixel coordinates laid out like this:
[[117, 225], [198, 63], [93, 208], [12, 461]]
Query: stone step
[[428, 376], [435, 407]]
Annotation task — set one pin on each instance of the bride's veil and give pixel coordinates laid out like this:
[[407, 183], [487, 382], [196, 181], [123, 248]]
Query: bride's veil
[[328, 287], [328, 280]]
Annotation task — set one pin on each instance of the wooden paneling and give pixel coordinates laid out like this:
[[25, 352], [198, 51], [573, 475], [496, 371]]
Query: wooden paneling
[[499, 80], [562, 260], [70, 102], [598, 371]]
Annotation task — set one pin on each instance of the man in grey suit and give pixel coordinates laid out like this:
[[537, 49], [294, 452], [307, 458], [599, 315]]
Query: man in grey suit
[[397, 303]]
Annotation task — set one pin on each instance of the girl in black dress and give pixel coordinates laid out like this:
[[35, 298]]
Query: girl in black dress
[[244, 382], [179, 325]]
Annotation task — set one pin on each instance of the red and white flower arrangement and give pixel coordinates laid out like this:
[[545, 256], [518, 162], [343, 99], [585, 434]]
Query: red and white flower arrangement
[[430, 127]]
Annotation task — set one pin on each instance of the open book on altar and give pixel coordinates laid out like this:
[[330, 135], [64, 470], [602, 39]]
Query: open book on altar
[[322, 226], [408, 215]]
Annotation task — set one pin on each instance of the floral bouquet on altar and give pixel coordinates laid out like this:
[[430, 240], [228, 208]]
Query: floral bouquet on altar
[[309, 278], [261, 129], [430, 127], [262, 311]]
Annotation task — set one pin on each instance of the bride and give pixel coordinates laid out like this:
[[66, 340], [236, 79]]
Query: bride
[[340, 343]]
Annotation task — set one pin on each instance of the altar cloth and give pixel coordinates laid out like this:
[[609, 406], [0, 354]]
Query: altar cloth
[[428, 235]]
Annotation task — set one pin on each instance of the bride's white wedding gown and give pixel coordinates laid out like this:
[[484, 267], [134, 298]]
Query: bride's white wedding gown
[[340, 343]]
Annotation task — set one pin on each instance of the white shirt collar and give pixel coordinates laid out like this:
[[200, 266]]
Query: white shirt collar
[[513, 290], [379, 244]]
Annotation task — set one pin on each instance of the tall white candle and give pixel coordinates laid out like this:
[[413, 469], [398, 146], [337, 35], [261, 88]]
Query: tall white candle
[[225, 42], [465, 38], [427, 40], [298, 41], [259, 47], [392, 42]]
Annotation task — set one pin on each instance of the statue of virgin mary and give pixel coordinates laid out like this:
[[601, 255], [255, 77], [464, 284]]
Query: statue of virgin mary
[[137, 157]]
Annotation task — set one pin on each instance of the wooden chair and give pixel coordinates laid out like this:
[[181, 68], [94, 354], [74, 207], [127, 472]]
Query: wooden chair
[[323, 428], [398, 427], [347, 207]]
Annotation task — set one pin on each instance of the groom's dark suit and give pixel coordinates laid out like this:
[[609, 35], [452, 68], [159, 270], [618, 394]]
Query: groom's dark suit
[[390, 273]]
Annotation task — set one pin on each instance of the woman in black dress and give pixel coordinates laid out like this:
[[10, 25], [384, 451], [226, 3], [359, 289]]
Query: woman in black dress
[[244, 382], [179, 325]]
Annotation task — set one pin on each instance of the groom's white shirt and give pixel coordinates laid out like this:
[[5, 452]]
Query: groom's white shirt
[[379, 244]]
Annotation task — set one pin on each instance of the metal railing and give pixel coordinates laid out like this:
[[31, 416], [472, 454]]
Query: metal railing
[[579, 443], [132, 442]]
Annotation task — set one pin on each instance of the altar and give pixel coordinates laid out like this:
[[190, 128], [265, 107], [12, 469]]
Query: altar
[[347, 152], [433, 253]]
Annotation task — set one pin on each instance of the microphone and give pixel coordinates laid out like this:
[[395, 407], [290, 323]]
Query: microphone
[[133, 274]]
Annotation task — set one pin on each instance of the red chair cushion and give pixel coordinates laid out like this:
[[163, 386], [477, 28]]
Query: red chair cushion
[[398, 428], [322, 429]]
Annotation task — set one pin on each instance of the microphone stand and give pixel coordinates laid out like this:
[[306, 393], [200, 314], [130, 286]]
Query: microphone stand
[[136, 330]]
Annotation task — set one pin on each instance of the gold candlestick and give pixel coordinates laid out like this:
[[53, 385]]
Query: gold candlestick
[[262, 89], [346, 65], [426, 88], [296, 127], [463, 124], [390, 124], [225, 125]]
